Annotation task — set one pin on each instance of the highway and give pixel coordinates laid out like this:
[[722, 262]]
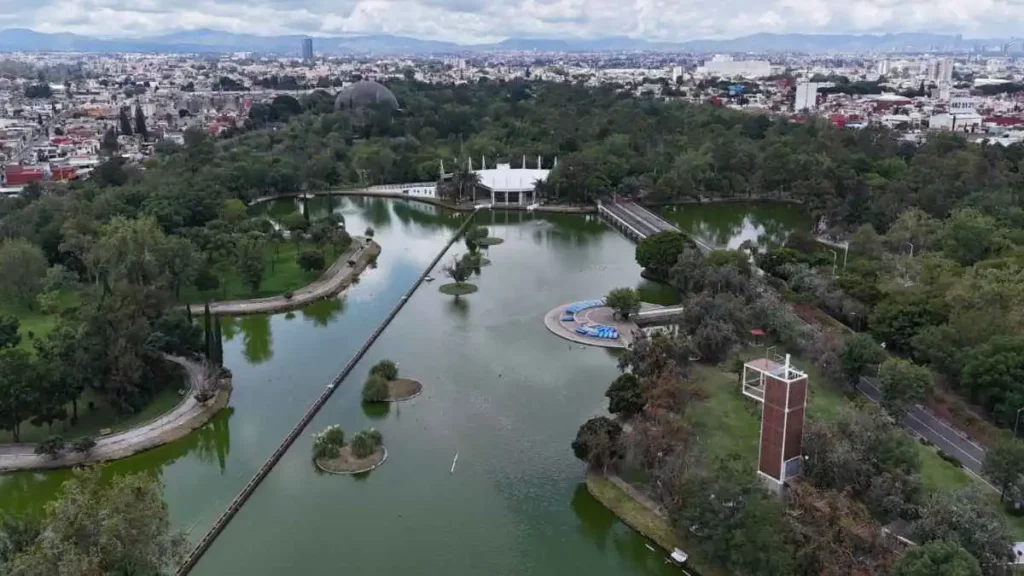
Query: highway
[[930, 427]]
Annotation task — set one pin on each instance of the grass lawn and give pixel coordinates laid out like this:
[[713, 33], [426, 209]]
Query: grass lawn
[[281, 274], [90, 422], [36, 322], [638, 517]]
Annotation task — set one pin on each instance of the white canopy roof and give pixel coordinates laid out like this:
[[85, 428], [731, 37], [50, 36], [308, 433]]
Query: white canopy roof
[[507, 179]]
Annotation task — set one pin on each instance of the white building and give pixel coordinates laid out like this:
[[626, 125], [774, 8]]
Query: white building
[[961, 115], [941, 71], [725, 66], [807, 96]]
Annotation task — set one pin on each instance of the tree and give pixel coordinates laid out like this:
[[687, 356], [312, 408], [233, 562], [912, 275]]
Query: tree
[[386, 369], [860, 352], [904, 384], [124, 122], [597, 442], [250, 261], [83, 445], [140, 124], [896, 320], [724, 506], [109, 143], [965, 517], [969, 236], [52, 446], [97, 527], [375, 389], [658, 253], [937, 558], [67, 362], [992, 375], [364, 443], [24, 267], [311, 260], [625, 395], [623, 301], [457, 270], [18, 395], [1004, 464], [296, 224], [9, 325]]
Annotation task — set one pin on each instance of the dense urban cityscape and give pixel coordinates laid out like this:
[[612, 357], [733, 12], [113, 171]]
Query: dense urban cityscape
[[704, 312]]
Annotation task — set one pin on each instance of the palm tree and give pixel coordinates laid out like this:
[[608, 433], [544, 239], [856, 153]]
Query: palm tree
[[472, 180]]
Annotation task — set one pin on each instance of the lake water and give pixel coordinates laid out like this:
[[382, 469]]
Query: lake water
[[500, 391]]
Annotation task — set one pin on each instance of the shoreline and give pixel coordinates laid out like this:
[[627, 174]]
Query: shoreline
[[335, 279], [178, 422]]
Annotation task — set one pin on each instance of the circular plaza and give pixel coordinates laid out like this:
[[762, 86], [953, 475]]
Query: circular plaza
[[590, 322]]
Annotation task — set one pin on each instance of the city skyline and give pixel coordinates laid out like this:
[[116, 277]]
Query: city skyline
[[467, 23]]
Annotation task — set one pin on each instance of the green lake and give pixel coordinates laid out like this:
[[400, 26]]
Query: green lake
[[500, 391]]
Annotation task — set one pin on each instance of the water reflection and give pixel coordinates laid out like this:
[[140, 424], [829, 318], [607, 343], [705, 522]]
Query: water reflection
[[595, 520], [376, 410], [257, 341], [729, 225], [323, 312], [213, 441]]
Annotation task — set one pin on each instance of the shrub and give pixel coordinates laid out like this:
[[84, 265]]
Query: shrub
[[369, 232], [386, 369], [203, 396], [375, 389], [950, 459], [311, 260], [365, 443], [328, 442], [52, 446], [288, 295], [83, 445]]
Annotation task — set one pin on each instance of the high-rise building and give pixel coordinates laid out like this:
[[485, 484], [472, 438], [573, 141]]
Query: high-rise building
[[942, 71], [307, 49]]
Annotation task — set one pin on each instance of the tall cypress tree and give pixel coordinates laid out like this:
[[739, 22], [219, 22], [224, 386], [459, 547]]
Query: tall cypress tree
[[140, 123], [218, 342], [126, 125]]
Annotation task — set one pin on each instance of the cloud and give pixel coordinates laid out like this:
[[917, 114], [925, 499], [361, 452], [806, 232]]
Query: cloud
[[469, 21]]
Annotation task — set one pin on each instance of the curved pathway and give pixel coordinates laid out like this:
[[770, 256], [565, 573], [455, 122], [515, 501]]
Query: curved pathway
[[172, 425], [334, 280]]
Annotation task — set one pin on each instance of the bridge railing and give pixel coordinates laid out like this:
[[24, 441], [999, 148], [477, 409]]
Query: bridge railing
[[250, 487]]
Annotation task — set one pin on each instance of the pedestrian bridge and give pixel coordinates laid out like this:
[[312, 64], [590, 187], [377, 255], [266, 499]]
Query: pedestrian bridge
[[651, 314], [638, 222]]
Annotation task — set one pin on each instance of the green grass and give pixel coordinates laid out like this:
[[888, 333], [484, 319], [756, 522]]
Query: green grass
[[490, 241], [281, 274], [638, 517], [90, 422], [36, 322]]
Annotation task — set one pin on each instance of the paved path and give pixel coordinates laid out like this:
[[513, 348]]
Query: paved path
[[933, 429], [335, 279], [185, 417]]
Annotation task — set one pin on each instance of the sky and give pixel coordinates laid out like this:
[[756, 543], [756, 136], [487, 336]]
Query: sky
[[472, 21]]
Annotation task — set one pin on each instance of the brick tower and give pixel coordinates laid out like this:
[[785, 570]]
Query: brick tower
[[782, 392]]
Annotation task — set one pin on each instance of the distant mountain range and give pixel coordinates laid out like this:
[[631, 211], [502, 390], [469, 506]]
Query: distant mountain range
[[214, 41]]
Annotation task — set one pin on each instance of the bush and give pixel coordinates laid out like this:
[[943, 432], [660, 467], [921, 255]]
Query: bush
[[369, 232], [288, 295], [328, 442], [375, 389], [83, 445], [365, 443], [52, 446], [386, 369], [311, 260], [203, 396], [950, 459]]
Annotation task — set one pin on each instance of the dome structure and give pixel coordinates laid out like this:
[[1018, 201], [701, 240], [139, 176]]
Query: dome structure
[[364, 93]]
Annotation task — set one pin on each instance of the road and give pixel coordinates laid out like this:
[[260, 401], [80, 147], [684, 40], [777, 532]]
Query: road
[[930, 427], [331, 282], [182, 419]]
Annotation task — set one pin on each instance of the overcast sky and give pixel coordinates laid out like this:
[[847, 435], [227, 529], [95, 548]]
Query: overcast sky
[[468, 21]]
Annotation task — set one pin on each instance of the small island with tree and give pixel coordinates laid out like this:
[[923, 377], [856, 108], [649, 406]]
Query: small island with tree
[[384, 385], [459, 270], [362, 453]]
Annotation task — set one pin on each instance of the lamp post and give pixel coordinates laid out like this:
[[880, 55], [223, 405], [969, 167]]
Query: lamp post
[[835, 258]]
